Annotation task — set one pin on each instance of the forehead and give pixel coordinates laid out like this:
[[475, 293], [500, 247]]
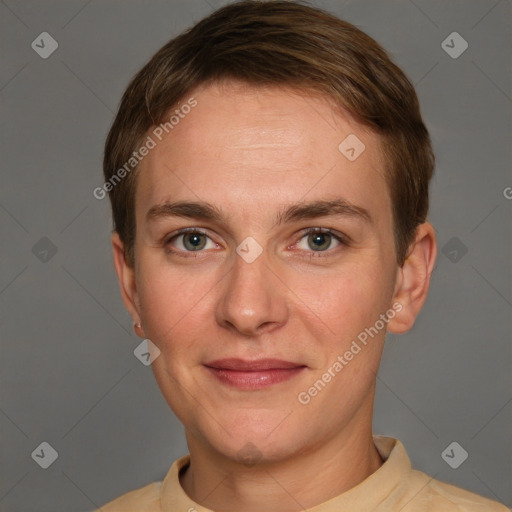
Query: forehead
[[249, 147]]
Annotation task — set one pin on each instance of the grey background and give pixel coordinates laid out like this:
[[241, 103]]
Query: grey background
[[68, 375]]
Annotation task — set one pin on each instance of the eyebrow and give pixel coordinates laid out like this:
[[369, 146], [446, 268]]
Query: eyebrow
[[300, 211]]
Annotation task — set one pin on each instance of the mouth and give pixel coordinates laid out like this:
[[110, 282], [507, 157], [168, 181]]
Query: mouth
[[253, 375]]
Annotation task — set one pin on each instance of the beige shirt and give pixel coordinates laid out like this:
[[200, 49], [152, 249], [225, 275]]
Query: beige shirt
[[394, 487]]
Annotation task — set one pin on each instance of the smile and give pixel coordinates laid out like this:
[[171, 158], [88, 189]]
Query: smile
[[253, 375]]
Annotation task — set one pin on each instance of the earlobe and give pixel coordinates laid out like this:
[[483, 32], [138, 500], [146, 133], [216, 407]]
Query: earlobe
[[413, 279], [126, 276]]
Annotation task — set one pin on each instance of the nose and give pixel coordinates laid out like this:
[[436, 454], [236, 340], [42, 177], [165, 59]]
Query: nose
[[253, 299]]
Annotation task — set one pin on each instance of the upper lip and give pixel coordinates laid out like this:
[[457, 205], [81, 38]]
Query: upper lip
[[247, 366]]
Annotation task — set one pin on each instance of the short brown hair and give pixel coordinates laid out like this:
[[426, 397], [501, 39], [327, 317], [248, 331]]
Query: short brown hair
[[281, 43]]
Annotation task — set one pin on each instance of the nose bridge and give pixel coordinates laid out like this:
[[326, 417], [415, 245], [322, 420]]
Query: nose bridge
[[251, 301]]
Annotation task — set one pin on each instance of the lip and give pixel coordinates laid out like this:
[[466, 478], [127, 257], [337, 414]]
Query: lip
[[253, 375]]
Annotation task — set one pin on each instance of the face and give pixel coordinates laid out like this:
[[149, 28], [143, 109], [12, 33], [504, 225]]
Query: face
[[262, 254]]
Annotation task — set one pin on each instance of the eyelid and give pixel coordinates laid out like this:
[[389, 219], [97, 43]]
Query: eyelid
[[338, 234], [181, 231]]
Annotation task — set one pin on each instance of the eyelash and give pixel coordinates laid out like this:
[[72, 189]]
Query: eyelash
[[342, 239]]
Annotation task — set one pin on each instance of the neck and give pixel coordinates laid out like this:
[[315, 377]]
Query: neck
[[301, 482]]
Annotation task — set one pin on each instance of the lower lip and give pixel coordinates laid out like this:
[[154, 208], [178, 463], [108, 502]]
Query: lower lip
[[255, 379]]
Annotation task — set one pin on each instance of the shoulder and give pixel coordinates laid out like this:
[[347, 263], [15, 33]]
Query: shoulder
[[436, 496], [144, 499]]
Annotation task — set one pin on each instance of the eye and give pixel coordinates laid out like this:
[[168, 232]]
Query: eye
[[319, 240], [189, 240]]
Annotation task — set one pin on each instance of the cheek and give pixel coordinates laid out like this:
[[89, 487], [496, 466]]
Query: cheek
[[347, 301], [172, 300]]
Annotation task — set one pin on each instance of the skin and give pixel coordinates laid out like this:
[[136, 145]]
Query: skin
[[251, 152]]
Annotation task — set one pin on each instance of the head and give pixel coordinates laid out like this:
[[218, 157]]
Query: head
[[271, 118]]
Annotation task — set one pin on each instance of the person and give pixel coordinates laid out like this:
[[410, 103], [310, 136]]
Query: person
[[268, 171]]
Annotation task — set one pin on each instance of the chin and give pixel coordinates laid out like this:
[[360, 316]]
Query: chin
[[258, 450], [251, 438]]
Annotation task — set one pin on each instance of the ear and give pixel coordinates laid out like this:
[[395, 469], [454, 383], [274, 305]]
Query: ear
[[126, 276], [413, 279]]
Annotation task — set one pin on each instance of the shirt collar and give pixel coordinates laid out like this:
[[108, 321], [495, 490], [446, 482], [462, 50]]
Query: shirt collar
[[365, 496]]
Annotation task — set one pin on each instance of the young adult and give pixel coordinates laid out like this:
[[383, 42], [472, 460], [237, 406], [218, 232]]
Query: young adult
[[268, 171]]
